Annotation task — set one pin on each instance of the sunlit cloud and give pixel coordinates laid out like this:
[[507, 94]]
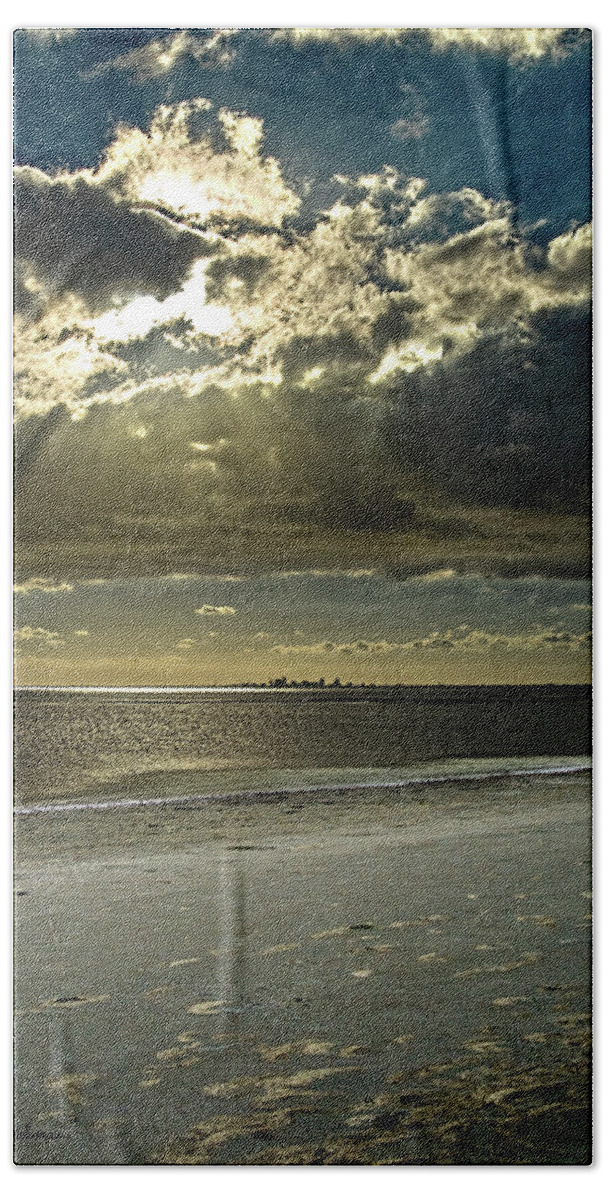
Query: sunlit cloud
[[185, 644], [378, 258], [38, 638], [136, 319], [49, 36], [159, 56], [443, 576], [40, 584], [459, 639], [329, 573], [171, 167], [216, 610], [518, 45]]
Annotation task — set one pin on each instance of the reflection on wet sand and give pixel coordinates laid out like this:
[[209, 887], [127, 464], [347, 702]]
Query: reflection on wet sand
[[379, 981]]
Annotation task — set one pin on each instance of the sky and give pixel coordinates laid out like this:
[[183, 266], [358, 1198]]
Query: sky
[[302, 355]]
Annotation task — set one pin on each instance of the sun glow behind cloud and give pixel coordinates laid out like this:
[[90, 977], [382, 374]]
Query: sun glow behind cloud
[[139, 316], [378, 258]]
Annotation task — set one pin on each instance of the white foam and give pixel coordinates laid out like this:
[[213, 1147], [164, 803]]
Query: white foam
[[455, 773]]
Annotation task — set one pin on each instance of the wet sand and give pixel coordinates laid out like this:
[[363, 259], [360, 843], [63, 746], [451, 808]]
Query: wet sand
[[384, 978]]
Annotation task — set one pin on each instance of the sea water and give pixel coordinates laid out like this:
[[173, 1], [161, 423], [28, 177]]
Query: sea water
[[98, 745]]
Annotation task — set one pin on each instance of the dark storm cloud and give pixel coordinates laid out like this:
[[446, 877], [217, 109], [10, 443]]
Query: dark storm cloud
[[509, 423], [72, 236], [101, 499]]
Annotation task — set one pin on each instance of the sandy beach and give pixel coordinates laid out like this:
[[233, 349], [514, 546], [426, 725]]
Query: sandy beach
[[387, 978]]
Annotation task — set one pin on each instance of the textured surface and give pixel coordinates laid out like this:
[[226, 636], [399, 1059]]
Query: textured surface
[[370, 982]]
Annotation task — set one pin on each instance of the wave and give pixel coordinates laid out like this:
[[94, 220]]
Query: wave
[[336, 780]]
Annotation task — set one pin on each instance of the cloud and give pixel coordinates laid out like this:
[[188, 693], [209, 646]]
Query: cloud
[[329, 573], [58, 362], [73, 236], [407, 363], [517, 45], [461, 638], [185, 644], [376, 285], [135, 320], [122, 244], [132, 227], [160, 56], [464, 638], [185, 577], [410, 128], [338, 37], [195, 167], [39, 584], [216, 610], [390, 281], [413, 122], [569, 257], [476, 282], [50, 36], [446, 575], [38, 638]]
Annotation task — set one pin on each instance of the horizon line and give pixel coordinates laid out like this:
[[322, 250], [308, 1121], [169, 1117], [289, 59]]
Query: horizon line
[[270, 687]]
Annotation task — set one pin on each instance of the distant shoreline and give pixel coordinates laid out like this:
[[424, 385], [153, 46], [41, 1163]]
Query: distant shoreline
[[327, 691]]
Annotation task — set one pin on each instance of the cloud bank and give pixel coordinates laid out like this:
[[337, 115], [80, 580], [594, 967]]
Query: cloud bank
[[192, 353]]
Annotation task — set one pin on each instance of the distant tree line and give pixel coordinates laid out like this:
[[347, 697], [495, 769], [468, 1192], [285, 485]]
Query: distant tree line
[[283, 682]]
